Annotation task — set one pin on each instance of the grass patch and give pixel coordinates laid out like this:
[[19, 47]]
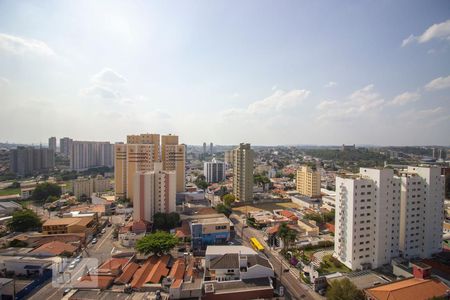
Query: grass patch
[[331, 264], [6, 192]]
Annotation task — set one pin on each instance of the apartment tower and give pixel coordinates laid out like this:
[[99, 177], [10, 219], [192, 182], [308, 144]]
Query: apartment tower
[[173, 157], [380, 216], [214, 171], [52, 143], [308, 181], [243, 157], [154, 191]]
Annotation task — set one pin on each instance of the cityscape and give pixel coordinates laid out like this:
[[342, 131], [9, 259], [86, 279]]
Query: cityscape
[[139, 186]]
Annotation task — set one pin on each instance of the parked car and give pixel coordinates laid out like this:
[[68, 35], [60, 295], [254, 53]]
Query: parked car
[[72, 266], [66, 291], [94, 241], [103, 230]]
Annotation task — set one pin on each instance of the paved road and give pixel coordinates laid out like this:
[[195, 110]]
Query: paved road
[[100, 252], [290, 280]]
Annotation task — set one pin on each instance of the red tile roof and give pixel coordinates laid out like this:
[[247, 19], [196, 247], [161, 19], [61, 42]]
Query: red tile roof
[[151, 271], [113, 264], [289, 214], [183, 231], [94, 282], [127, 273], [412, 288], [55, 248], [177, 271]]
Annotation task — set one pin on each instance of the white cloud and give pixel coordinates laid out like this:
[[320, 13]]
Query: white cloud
[[99, 91], [405, 98], [362, 101], [331, 84], [275, 87], [439, 83], [20, 46], [278, 101], [436, 31], [108, 76]]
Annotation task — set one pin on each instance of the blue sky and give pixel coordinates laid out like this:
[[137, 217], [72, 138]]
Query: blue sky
[[265, 72]]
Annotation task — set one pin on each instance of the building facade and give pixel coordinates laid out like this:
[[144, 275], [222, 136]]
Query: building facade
[[214, 171], [380, 216], [173, 157], [308, 181], [65, 146], [243, 158], [87, 186], [85, 155], [154, 191], [52, 144], [209, 231], [28, 160]]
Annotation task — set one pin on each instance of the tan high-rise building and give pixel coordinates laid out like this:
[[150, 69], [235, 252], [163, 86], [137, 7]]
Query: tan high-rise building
[[243, 157], [138, 155], [173, 157], [154, 191], [308, 182]]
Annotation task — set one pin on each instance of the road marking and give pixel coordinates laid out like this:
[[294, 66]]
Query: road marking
[[113, 250], [104, 240]]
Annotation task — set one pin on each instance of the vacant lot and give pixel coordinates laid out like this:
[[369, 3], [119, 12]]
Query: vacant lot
[[6, 192]]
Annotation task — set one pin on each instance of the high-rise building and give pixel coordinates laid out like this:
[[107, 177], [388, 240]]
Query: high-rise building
[[85, 155], [65, 146], [228, 157], [52, 143], [28, 160], [308, 181], [204, 148], [129, 159], [211, 148], [154, 191], [214, 171], [380, 216], [173, 157], [243, 157]]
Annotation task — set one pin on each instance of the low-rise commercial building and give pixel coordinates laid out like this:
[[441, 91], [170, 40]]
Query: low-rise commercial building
[[86, 225], [211, 231]]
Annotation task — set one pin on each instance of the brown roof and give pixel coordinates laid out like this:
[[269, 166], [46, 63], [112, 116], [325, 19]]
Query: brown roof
[[288, 214], [94, 282], [177, 271], [68, 221], [112, 264], [412, 288], [127, 274], [151, 271], [226, 261], [55, 248]]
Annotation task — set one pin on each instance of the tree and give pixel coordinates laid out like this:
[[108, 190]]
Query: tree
[[228, 199], [17, 243], [165, 221], [223, 209], [24, 220], [287, 235], [158, 243], [344, 289], [46, 189]]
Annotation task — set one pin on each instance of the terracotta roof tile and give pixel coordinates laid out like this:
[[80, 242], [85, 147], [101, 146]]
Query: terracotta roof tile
[[112, 264], [128, 273], [413, 288], [151, 271], [55, 248], [94, 282]]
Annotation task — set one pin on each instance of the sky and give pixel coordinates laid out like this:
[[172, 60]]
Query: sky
[[264, 72]]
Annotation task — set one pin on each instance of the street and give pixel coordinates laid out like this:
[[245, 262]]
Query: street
[[93, 256], [290, 280]]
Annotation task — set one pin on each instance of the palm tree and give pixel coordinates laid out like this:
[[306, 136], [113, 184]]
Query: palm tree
[[287, 235]]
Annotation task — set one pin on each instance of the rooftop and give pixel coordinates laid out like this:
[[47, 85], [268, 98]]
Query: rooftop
[[412, 288], [220, 250], [55, 248]]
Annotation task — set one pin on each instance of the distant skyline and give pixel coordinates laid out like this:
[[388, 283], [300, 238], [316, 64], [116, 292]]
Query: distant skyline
[[264, 72]]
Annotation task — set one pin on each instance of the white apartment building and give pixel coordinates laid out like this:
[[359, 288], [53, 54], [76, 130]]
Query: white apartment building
[[214, 171], [154, 191], [85, 155], [422, 211], [87, 186], [377, 217]]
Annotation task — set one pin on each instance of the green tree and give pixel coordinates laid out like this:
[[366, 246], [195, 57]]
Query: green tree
[[287, 235], [343, 289], [17, 243], [46, 189], [223, 209], [24, 220], [14, 185], [228, 199], [165, 221], [158, 243]]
